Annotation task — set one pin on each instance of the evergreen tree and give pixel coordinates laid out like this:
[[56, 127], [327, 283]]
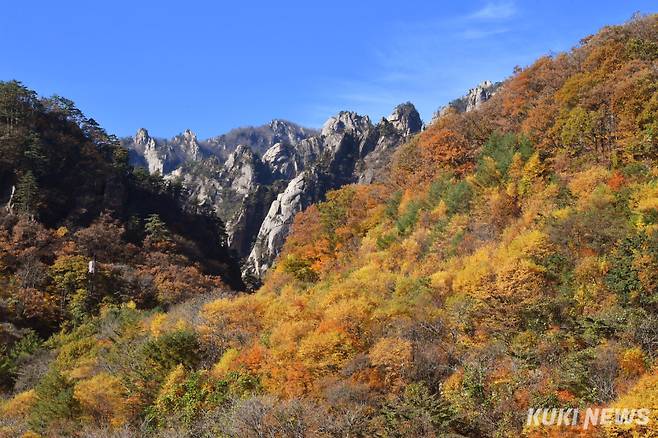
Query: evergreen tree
[[55, 401], [27, 194], [156, 229]]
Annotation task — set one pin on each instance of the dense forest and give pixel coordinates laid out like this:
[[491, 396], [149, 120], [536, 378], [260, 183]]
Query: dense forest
[[510, 263]]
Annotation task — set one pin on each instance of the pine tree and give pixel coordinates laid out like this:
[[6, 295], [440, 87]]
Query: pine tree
[[156, 229], [27, 194]]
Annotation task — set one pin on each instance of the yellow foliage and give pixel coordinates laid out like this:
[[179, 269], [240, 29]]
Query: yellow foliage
[[441, 280], [521, 280], [157, 322], [171, 389], [285, 338], [632, 362], [476, 272], [532, 171], [452, 388], [532, 243], [643, 395], [562, 213], [85, 368], [647, 271], [20, 405], [290, 304], [353, 316], [325, 350], [440, 212], [394, 356], [584, 184], [589, 273], [645, 201], [102, 399], [181, 324], [231, 322], [225, 363]]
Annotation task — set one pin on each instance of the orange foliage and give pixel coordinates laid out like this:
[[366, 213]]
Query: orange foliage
[[632, 362], [616, 181], [446, 148]]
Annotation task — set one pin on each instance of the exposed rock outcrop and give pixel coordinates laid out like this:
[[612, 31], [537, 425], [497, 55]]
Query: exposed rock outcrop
[[225, 187], [163, 156], [225, 174], [473, 99], [405, 119], [354, 150], [258, 138]]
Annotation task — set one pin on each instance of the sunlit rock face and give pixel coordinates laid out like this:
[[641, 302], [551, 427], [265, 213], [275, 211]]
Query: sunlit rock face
[[473, 99]]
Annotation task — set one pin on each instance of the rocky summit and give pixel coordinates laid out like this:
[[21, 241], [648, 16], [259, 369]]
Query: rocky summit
[[473, 99]]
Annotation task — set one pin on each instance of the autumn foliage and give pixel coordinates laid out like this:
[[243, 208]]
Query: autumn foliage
[[511, 263]]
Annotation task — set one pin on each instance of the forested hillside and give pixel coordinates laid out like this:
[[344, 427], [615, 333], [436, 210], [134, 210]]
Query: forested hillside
[[72, 205], [511, 263]]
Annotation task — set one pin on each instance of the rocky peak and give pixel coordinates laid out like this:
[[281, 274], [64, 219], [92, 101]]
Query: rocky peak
[[481, 93], [142, 137], [284, 131], [473, 99], [189, 135], [258, 138], [239, 157], [187, 146], [151, 156], [277, 151], [281, 127], [405, 119], [346, 122]]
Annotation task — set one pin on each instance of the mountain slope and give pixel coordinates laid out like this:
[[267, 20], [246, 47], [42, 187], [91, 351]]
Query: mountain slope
[[69, 198]]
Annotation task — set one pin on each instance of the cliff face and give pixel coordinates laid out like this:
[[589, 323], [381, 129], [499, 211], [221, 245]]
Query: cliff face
[[256, 179], [231, 174], [353, 151]]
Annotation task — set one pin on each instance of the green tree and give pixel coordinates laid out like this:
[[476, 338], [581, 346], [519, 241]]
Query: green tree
[[27, 194], [55, 401], [156, 229], [417, 412]]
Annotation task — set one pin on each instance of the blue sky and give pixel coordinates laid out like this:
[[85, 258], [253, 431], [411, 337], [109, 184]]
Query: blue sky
[[214, 65]]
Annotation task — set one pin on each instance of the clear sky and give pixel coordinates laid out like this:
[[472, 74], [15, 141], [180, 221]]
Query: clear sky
[[214, 65]]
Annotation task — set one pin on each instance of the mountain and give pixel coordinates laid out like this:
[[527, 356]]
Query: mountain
[[258, 139], [437, 282], [255, 179]]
